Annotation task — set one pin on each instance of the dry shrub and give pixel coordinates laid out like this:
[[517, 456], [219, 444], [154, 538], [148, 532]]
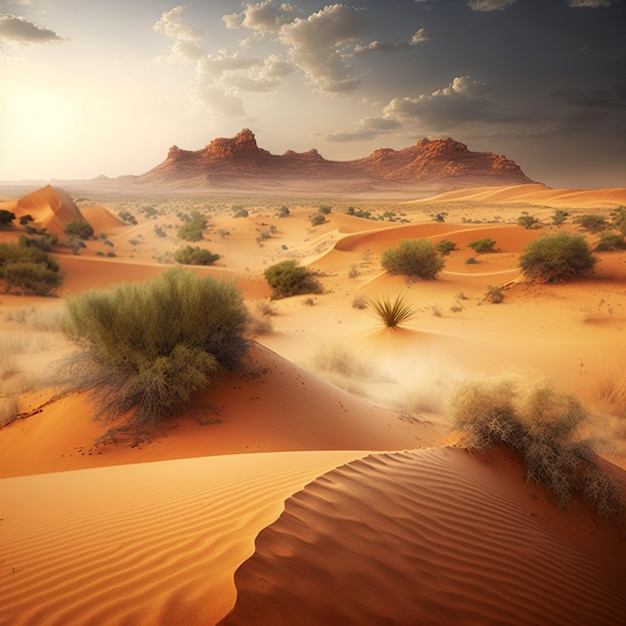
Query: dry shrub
[[9, 408], [610, 390], [546, 427], [391, 314]]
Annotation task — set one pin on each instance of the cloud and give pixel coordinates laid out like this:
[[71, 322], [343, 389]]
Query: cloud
[[489, 5], [366, 128], [316, 46], [214, 98], [263, 16], [591, 4], [18, 30], [376, 46], [172, 25], [464, 99]]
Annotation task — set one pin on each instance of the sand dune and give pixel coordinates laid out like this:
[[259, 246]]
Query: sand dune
[[422, 538], [154, 543], [536, 194]]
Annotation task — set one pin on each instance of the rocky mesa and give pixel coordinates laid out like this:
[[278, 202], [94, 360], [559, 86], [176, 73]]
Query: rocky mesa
[[445, 163]]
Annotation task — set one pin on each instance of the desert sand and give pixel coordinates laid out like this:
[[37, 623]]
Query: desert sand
[[323, 486]]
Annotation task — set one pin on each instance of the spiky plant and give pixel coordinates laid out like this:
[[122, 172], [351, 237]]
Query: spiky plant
[[391, 314]]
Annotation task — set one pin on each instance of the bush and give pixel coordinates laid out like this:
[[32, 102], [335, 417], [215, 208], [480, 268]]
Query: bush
[[611, 241], [413, 258], [317, 218], [495, 295], [557, 258], [445, 246], [6, 217], [619, 218], [241, 213], [192, 230], [195, 256], [25, 219], [287, 278], [528, 221], [149, 348], [482, 246], [591, 222], [545, 426], [391, 314], [26, 268], [82, 230], [559, 217]]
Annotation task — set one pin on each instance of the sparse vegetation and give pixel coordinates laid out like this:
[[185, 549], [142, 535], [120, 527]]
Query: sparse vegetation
[[6, 218], [25, 268], [619, 218], [391, 314], [287, 278], [359, 302], [528, 221], [611, 241], [192, 230], [559, 217], [495, 295], [557, 258], [82, 230], [147, 349], [414, 258], [482, 246], [592, 222], [195, 256], [445, 246], [546, 427]]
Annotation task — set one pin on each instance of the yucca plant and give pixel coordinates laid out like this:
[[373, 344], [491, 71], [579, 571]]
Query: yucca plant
[[391, 314]]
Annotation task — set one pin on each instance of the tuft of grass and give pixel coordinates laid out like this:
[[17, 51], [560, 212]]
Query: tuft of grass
[[391, 314], [359, 302], [546, 427]]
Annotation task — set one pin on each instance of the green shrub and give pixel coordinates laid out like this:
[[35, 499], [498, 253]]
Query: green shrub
[[559, 217], [391, 314], [31, 278], [528, 221], [287, 278], [6, 217], [149, 348], [619, 218], [317, 218], [414, 258], [241, 213], [445, 246], [82, 230], [611, 241], [591, 222], [546, 427], [195, 256], [325, 210], [495, 295], [26, 251], [192, 230], [557, 258], [25, 219], [482, 246]]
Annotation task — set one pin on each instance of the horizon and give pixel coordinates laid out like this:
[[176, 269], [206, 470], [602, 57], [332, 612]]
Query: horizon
[[540, 85]]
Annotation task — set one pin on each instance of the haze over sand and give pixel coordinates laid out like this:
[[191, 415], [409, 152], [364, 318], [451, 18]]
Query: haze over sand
[[281, 496]]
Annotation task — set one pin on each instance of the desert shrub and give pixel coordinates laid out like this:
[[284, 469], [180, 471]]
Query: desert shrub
[[192, 230], [559, 217], [195, 256], [287, 278], [482, 246], [611, 241], [528, 221], [31, 278], [414, 258], [241, 213], [359, 213], [592, 222], [470, 261], [6, 217], [325, 209], [25, 219], [317, 218], [359, 302], [283, 212], [127, 216], [440, 217], [557, 258], [545, 426], [391, 314], [149, 348], [82, 230], [445, 246], [495, 295], [618, 216], [260, 319]]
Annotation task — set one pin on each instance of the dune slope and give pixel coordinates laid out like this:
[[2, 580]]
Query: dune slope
[[429, 537]]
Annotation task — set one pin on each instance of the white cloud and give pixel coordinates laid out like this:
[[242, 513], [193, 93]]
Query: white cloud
[[18, 30], [420, 36], [591, 4], [316, 46], [489, 5], [464, 99], [215, 99], [172, 25], [263, 16], [366, 128]]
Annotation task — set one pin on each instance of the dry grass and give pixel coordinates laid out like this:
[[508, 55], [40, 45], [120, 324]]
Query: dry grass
[[391, 314]]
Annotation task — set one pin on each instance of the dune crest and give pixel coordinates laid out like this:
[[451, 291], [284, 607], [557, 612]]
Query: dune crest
[[429, 537]]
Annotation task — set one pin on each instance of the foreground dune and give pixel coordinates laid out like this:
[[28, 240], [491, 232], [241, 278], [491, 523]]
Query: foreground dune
[[430, 537]]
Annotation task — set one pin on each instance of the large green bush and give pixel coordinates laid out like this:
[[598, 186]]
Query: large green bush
[[418, 257], [195, 256], [287, 278], [557, 258], [25, 268], [547, 427], [192, 230], [149, 348]]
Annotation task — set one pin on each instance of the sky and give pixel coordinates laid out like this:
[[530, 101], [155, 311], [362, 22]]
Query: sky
[[91, 87]]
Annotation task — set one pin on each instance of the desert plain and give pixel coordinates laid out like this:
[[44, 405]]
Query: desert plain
[[324, 485]]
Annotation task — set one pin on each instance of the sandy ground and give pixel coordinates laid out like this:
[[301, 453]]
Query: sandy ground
[[321, 476]]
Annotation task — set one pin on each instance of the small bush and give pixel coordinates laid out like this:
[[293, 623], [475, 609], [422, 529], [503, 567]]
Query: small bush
[[192, 230], [391, 314], [528, 221], [545, 426], [470, 261], [149, 348], [25, 219], [591, 222], [495, 295], [611, 241], [557, 258], [241, 213], [559, 217], [619, 218], [195, 256], [317, 218], [413, 258], [27, 269], [283, 212], [445, 246], [6, 217], [287, 278], [82, 230], [359, 302], [482, 246]]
